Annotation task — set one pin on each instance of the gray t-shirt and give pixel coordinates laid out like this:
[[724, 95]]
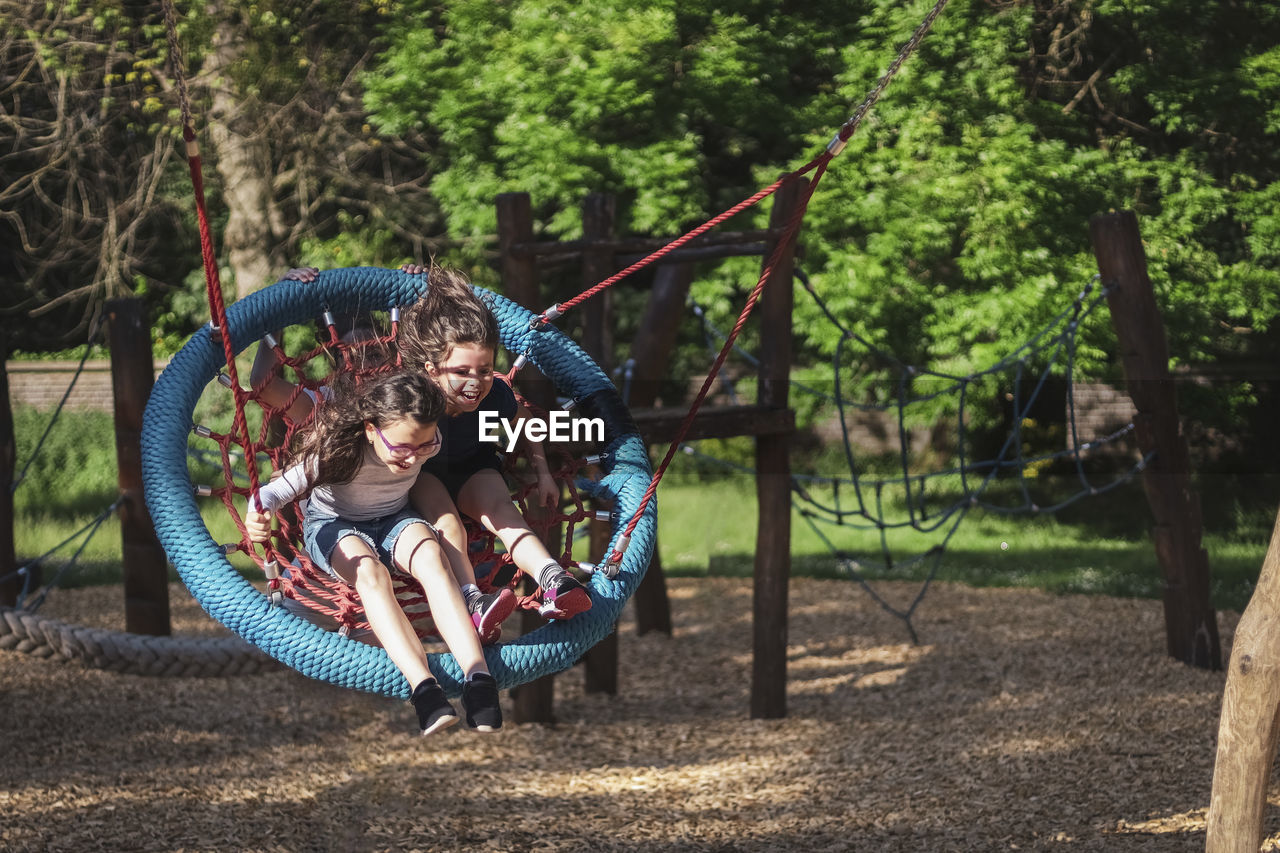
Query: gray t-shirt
[[377, 490]]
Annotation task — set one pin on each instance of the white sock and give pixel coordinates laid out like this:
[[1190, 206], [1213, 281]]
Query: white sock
[[469, 593], [549, 574]]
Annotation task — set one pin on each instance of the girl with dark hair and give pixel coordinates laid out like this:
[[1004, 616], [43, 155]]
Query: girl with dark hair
[[453, 335], [358, 462], [488, 610]]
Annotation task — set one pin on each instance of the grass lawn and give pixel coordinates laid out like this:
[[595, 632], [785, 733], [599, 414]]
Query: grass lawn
[[710, 528], [1099, 545]]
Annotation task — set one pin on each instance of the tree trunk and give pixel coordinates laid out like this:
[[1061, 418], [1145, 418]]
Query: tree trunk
[[1250, 723], [9, 585], [242, 156]]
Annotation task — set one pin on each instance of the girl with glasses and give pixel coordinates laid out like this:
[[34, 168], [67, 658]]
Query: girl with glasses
[[452, 335], [488, 609], [358, 461]]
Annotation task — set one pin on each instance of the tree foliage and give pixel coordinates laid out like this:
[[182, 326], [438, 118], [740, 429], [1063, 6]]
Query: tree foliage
[[78, 97], [956, 223], [670, 106], [96, 202]]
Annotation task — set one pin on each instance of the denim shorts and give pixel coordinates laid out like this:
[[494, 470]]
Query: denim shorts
[[321, 534]]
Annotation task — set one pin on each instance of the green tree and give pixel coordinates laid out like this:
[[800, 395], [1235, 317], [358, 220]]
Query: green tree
[[961, 223], [670, 106], [955, 224], [297, 161], [79, 97]]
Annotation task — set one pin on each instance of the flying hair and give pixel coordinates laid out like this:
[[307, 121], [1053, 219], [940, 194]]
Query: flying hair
[[449, 314], [336, 440]]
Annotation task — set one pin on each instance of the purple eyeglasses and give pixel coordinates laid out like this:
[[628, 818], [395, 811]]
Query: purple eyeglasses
[[404, 451]]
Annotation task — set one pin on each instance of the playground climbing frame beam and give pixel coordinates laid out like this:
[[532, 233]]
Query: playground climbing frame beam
[[773, 471], [146, 569], [1191, 625], [534, 702], [1250, 722]]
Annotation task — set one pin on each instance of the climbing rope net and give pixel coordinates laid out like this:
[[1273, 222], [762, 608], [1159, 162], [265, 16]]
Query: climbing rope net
[[935, 502]]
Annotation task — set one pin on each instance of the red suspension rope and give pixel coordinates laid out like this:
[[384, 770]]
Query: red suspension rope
[[680, 241], [213, 285], [820, 163]]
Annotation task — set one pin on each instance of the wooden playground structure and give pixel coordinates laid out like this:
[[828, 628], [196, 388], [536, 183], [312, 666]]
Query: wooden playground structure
[[1250, 720], [770, 421]]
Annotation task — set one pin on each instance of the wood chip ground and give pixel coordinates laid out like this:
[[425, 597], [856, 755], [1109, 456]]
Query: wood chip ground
[[1023, 721]]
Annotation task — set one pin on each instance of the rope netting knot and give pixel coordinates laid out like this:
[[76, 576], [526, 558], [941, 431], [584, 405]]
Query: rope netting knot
[[365, 351]]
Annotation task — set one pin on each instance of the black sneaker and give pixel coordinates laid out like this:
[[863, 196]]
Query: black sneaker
[[564, 599], [434, 711], [488, 612], [480, 703]]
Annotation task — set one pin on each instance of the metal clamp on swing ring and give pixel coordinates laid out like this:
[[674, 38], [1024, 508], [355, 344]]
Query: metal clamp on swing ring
[[613, 564], [551, 314], [271, 569]]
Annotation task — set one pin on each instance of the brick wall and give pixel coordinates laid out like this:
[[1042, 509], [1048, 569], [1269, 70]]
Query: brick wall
[[41, 384], [1100, 411]]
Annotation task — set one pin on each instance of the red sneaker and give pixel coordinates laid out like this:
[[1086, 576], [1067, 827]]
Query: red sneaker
[[565, 599], [488, 612]]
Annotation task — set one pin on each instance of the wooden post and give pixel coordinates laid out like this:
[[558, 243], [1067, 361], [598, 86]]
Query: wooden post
[[773, 475], [598, 214], [534, 702], [600, 663], [656, 335], [9, 582], [520, 283], [1250, 721], [146, 571], [651, 351], [600, 670], [1191, 626]]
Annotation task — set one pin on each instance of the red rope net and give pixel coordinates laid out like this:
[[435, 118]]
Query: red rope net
[[314, 593]]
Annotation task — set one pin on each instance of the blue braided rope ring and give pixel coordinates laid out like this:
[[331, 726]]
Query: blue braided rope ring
[[326, 655]]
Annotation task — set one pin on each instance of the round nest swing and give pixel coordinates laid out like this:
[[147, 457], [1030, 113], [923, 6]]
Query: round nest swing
[[332, 656]]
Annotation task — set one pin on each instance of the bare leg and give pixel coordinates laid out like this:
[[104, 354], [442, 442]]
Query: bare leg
[[485, 498], [355, 563], [418, 552], [431, 498]]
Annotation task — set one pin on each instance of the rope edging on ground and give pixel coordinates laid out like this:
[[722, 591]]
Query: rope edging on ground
[[134, 654]]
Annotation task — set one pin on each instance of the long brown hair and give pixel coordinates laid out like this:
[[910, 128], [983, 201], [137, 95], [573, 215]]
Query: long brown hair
[[336, 439], [447, 315]]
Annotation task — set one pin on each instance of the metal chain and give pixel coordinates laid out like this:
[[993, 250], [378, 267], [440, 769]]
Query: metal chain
[[175, 59], [847, 129]]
